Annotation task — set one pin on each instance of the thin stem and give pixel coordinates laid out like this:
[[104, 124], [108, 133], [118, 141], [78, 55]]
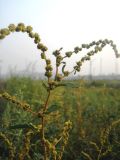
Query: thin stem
[[56, 70], [98, 158], [43, 139], [58, 140], [43, 125], [46, 103], [64, 57]]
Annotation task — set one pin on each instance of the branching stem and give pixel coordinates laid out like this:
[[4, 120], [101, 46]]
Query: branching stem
[[43, 125]]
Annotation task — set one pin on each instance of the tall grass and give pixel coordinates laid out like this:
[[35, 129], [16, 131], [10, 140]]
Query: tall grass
[[92, 111], [39, 127]]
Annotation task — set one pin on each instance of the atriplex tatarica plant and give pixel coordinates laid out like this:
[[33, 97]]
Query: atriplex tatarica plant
[[49, 148]]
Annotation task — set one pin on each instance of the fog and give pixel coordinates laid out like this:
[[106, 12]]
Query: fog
[[60, 23]]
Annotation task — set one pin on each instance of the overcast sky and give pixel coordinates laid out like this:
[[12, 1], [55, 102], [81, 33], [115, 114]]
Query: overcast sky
[[60, 23]]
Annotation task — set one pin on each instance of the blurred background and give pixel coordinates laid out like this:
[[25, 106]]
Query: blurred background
[[92, 105], [60, 23]]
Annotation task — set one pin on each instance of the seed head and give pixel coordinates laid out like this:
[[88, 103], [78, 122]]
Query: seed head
[[68, 54], [48, 61], [5, 31], [31, 35], [48, 74], [36, 41], [29, 29], [37, 36], [59, 77], [48, 68], [18, 28], [66, 73], [77, 49], [22, 26], [43, 55], [12, 27]]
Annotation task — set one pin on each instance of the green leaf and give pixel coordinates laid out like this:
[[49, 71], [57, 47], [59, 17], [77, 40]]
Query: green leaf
[[69, 84], [17, 126], [44, 85], [52, 108], [22, 126], [63, 68]]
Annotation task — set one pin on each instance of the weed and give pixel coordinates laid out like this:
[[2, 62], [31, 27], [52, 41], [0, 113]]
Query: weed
[[51, 149]]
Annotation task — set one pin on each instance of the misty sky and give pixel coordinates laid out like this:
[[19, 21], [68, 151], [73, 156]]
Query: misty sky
[[60, 23]]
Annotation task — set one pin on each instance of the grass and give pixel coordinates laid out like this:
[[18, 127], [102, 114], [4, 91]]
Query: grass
[[26, 136], [92, 108]]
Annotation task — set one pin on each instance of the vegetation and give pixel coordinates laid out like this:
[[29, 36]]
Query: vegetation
[[52, 114]]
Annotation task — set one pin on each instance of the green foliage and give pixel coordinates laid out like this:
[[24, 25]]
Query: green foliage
[[52, 108], [42, 107], [89, 117]]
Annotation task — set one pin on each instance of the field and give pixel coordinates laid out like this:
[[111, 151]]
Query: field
[[93, 108]]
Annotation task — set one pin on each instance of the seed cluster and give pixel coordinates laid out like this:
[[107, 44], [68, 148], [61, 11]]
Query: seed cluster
[[48, 68], [9, 144], [14, 100], [26, 145], [29, 30], [50, 149], [99, 45], [65, 136]]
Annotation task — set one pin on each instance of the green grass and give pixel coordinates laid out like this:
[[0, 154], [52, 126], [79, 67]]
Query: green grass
[[91, 108]]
